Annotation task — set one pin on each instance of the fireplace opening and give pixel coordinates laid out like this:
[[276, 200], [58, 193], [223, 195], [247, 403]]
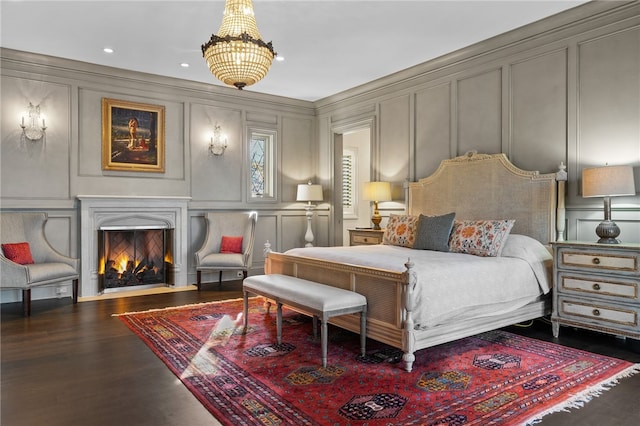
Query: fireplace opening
[[134, 257]]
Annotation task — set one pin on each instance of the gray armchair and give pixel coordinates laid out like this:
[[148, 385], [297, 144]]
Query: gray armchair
[[49, 267], [209, 257]]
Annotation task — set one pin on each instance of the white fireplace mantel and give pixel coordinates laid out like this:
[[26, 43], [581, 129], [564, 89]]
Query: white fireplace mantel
[[103, 210]]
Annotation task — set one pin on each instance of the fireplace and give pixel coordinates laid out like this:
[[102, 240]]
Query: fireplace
[[136, 218], [134, 257]]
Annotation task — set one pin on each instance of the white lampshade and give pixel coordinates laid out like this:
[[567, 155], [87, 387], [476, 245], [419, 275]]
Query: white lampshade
[[377, 191], [309, 192], [608, 181]]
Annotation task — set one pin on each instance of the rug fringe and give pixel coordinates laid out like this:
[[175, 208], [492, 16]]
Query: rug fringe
[[580, 399], [191, 305]]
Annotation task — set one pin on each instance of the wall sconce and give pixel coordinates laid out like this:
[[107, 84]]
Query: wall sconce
[[31, 128], [218, 144], [376, 191], [608, 181], [309, 192]]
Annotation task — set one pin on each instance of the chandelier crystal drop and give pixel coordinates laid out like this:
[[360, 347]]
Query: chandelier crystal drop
[[237, 55]]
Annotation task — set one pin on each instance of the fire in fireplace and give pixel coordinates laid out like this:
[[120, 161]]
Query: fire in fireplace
[[134, 256]]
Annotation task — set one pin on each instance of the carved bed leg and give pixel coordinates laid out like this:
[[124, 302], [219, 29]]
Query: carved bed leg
[[408, 337]]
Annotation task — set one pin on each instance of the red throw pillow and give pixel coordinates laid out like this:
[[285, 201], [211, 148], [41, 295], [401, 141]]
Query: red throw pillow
[[18, 252], [231, 244]]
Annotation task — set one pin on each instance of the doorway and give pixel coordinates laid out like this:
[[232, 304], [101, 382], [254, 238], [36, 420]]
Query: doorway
[[356, 169], [357, 140]]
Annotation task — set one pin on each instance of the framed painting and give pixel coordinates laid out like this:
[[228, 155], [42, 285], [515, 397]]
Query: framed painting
[[132, 136]]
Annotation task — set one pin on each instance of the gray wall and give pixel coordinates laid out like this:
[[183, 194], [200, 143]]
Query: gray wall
[[563, 89], [48, 175]]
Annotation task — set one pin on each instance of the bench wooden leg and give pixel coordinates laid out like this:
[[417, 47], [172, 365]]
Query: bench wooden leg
[[279, 323], [199, 279], [323, 340]]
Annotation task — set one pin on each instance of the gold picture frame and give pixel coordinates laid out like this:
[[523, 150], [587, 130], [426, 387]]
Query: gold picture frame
[[132, 136]]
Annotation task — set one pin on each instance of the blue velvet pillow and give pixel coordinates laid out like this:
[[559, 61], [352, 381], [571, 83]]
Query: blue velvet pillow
[[433, 232]]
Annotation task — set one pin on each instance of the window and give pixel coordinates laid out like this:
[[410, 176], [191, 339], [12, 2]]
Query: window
[[261, 164], [348, 182]]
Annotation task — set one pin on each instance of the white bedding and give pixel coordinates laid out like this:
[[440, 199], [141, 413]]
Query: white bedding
[[457, 286]]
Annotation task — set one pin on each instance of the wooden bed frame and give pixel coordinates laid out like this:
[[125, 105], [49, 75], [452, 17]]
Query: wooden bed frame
[[475, 186]]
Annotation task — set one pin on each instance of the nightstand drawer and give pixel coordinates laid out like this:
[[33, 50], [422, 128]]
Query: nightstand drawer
[[598, 286], [366, 239], [603, 261], [604, 314], [361, 237]]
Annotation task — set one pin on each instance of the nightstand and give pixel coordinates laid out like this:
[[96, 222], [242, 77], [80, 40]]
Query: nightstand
[[365, 237], [595, 286]]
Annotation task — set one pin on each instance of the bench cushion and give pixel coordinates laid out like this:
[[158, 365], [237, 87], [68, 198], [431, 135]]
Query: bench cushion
[[320, 297]]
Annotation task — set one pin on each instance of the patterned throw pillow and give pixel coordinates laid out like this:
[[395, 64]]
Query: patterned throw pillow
[[18, 252], [400, 230], [231, 244], [480, 237]]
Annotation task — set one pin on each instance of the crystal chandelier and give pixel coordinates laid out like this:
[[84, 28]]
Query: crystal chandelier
[[237, 55]]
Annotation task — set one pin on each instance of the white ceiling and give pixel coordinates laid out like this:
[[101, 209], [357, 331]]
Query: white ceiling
[[328, 46]]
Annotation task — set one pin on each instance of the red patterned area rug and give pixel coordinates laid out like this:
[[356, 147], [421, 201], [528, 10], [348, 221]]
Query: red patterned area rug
[[247, 379]]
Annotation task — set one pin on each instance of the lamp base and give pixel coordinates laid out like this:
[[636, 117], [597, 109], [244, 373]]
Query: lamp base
[[376, 219], [607, 230], [308, 236]]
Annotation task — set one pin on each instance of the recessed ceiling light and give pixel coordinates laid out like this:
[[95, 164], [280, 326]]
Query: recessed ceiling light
[[279, 58], [184, 65], [107, 50]]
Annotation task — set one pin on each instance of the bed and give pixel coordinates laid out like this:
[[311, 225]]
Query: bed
[[421, 298]]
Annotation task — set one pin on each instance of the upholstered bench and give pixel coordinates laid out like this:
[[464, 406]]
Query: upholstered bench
[[308, 297]]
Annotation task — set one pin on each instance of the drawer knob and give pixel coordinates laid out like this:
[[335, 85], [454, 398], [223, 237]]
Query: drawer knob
[[596, 261], [596, 286], [366, 240], [596, 313]]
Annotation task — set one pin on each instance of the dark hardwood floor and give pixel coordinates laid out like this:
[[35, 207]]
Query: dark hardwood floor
[[77, 365]]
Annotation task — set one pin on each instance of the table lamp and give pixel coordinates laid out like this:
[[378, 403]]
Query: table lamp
[[376, 192], [309, 192], [607, 182]]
